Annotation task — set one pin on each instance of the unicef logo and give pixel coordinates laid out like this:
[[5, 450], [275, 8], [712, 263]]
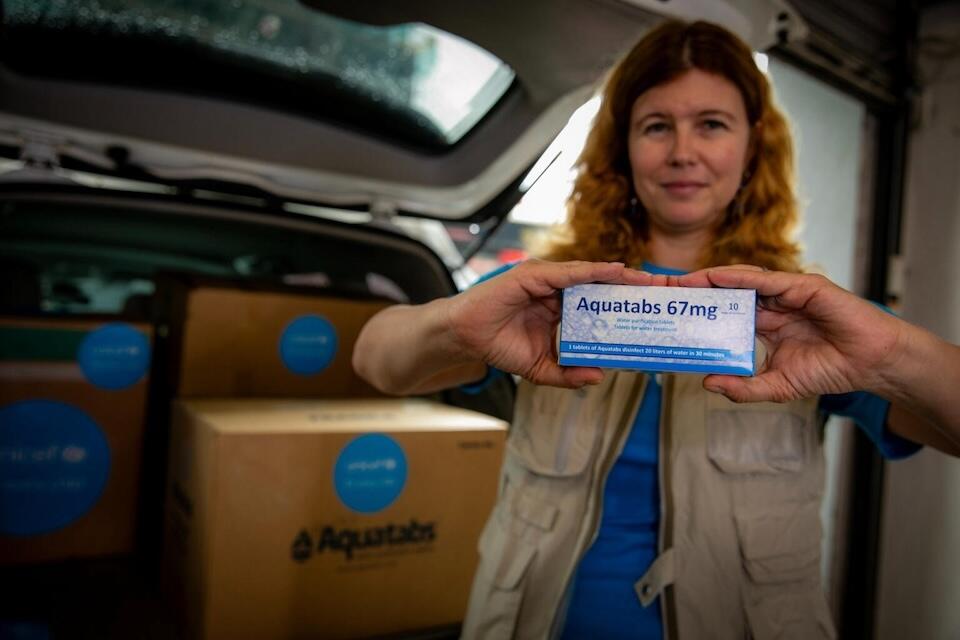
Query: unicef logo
[[114, 357], [370, 473], [54, 465], [308, 345]]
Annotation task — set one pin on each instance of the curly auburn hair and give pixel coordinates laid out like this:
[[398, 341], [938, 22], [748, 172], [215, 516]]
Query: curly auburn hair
[[759, 223]]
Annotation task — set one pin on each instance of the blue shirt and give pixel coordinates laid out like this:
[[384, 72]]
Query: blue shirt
[[603, 603]]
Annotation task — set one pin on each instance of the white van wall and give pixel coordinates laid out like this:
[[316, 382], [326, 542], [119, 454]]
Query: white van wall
[[829, 131], [919, 581]]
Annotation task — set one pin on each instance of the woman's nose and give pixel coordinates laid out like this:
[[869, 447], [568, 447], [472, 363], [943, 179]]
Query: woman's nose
[[683, 151]]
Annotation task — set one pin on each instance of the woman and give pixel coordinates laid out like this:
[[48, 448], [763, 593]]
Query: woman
[[636, 505]]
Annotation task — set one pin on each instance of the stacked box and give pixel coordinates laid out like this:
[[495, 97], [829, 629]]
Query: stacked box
[[73, 397], [228, 340], [325, 518]]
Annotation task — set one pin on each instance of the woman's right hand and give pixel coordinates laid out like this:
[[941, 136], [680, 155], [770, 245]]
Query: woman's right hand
[[509, 322]]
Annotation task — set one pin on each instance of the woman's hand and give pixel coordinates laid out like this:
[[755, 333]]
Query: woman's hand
[[510, 321]]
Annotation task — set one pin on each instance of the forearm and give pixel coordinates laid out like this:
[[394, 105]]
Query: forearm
[[409, 350], [924, 379], [920, 429]]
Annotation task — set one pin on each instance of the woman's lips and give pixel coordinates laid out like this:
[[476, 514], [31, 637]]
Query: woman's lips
[[683, 187]]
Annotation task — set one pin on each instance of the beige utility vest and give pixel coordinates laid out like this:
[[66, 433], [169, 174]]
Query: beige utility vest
[[740, 493]]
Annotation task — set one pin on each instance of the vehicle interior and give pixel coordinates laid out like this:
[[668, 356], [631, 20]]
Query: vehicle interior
[[364, 150]]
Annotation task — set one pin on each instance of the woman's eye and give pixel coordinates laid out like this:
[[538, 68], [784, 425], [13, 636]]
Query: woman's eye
[[713, 125], [655, 127]]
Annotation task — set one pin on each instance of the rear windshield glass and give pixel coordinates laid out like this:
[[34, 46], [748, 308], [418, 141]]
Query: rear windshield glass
[[411, 82]]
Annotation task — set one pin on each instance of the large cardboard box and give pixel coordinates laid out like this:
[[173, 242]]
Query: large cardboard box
[[325, 519], [72, 408], [244, 339]]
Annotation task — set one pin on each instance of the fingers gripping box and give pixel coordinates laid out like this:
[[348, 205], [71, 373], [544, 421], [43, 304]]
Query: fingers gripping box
[[675, 329]]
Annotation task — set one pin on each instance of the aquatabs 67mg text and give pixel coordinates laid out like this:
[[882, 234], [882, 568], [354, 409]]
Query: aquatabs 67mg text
[[658, 328]]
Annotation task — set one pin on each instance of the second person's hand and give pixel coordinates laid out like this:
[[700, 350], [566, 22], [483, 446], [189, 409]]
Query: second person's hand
[[820, 338]]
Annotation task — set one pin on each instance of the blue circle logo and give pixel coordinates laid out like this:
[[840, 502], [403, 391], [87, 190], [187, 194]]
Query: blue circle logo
[[114, 357], [308, 345], [54, 465], [370, 473]]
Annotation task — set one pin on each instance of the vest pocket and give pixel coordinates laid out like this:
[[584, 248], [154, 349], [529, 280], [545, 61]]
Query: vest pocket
[[780, 547], [554, 430], [790, 617], [756, 441], [781, 557], [497, 593]]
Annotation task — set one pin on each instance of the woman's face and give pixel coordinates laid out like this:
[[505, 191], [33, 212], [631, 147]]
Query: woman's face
[[688, 143]]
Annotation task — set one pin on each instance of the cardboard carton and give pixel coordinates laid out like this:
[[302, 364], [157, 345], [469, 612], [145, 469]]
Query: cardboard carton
[[230, 339], [332, 519], [72, 408]]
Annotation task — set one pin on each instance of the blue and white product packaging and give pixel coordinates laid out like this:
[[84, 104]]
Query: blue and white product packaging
[[677, 329]]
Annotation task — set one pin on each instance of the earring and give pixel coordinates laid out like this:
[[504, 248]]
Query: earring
[[633, 206]]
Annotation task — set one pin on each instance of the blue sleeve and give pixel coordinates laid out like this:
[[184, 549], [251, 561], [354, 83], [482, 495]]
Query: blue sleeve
[[474, 388], [493, 274], [870, 414]]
